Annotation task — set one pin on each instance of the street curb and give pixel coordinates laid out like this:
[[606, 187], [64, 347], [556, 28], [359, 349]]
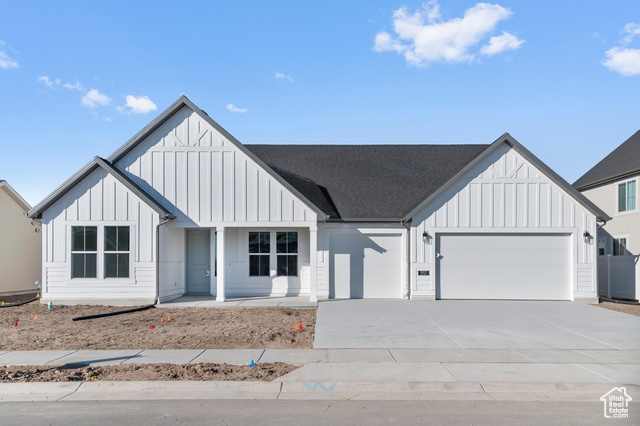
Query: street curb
[[173, 390]]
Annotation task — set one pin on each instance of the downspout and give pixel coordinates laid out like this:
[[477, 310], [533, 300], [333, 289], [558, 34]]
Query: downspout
[[167, 220], [407, 225]]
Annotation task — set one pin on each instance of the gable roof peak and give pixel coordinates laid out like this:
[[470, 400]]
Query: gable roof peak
[[184, 101], [107, 166]]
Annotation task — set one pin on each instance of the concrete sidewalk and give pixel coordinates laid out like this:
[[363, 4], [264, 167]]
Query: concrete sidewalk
[[601, 357], [332, 374]]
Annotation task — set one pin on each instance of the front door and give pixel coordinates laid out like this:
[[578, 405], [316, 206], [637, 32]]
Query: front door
[[198, 261]]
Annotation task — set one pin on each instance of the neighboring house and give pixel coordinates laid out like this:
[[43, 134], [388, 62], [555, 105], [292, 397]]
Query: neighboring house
[[612, 185], [184, 207], [20, 243]]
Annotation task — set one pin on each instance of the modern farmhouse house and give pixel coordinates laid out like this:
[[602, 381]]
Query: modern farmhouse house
[[184, 207]]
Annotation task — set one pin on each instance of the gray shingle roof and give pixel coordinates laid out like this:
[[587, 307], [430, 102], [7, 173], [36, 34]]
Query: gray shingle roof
[[366, 181], [623, 161]]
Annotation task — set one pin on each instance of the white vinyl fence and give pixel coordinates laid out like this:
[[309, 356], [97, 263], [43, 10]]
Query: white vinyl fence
[[619, 277]]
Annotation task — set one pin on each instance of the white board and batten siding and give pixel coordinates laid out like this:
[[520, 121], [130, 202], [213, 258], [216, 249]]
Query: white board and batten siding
[[98, 200], [504, 195], [238, 281], [207, 180]]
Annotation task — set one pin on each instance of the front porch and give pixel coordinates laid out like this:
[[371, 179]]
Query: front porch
[[209, 301], [262, 265]]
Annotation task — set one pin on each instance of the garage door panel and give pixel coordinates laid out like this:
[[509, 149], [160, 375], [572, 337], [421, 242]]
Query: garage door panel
[[364, 266], [504, 266]]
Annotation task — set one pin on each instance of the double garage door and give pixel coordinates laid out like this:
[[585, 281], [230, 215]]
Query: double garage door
[[503, 266], [468, 266]]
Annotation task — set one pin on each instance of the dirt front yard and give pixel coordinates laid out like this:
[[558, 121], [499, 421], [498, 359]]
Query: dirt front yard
[[621, 307], [34, 327], [145, 372]]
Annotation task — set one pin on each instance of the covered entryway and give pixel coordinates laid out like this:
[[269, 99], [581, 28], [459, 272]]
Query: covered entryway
[[504, 266], [198, 261], [365, 266]]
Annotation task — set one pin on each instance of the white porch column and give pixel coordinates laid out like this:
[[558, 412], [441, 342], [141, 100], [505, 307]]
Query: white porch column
[[220, 263], [212, 262], [313, 262]]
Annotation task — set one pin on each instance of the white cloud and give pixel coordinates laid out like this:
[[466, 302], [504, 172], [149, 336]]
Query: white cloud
[[501, 43], [281, 76], [6, 62], [74, 86], [139, 104], [48, 82], [423, 37], [432, 8], [623, 61], [232, 108], [93, 98], [631, 30]]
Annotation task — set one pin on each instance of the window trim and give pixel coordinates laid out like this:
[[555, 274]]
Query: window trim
[[84, 252], [100, 267], [617, 187]]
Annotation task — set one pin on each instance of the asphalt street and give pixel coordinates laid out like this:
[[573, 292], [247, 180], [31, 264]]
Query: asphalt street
[[243, 412]]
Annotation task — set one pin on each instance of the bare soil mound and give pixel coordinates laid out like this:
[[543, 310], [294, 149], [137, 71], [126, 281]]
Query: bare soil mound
[[143, 372]]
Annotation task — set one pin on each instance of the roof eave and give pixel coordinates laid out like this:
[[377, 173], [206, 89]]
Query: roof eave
[[608, 180], [148, 129], [365, 219], [38, 209]]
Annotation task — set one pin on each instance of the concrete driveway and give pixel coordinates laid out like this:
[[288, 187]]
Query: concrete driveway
[[466, 324]]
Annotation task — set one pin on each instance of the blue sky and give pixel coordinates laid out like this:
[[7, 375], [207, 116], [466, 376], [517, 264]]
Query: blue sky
[[78, 79]]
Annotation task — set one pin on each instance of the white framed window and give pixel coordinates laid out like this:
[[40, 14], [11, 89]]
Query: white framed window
[[287, 253], [84, 252], [620, 247], [259, 253], [116, 251], [627, 196]]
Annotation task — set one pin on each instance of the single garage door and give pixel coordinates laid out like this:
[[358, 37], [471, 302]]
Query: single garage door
[[365, 266], [504, 266]]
